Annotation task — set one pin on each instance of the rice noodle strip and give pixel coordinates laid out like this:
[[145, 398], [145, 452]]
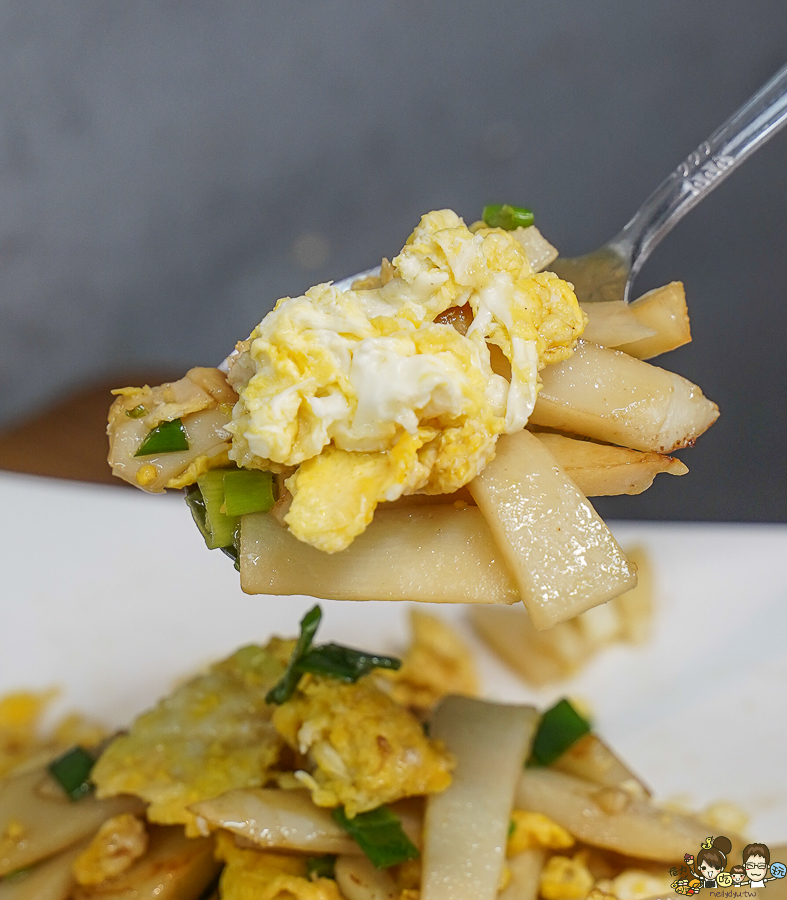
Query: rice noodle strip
[[612, 397], [525, 870], [612, 323], [432, 553], [358, 879], [466, 826], [175, 867], [47, 820], [49, 880], [561, 555], [287, 820], [608, 817]]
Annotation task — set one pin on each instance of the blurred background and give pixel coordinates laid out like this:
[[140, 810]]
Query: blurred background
[[169, 169]]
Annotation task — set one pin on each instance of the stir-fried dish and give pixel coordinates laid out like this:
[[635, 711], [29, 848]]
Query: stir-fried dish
[[317, 771], [430, 433]]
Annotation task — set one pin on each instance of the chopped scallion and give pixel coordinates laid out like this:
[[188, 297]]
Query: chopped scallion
[[72, 772], [320, 867], [283, 689], [502, 215], [247, 491], [343, 663], [137, 412], [333, 660], [168, 437], [220, 526], [233, 553], [560, 727], [196, 504], [380, 836]]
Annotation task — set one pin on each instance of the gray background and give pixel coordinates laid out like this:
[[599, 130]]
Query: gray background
[[167, 170]]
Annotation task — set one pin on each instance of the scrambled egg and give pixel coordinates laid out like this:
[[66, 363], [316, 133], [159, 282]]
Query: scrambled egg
[[211, 735], [636, 884], [437, 663], [259, 875], [534, 830], [22, 741], [371, 398], [117, 844], [367, 749], [563, 878]]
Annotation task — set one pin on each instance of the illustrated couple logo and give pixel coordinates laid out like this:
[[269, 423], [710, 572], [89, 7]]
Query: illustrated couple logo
[[709, 868]]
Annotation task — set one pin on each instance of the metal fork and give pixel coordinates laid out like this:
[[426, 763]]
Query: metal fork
[[607, 273]]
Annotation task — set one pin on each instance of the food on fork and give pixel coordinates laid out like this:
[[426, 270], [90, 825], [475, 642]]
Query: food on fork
[[431, 407]]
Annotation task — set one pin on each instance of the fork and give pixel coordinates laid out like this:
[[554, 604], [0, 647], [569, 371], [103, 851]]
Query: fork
[[607, 273]]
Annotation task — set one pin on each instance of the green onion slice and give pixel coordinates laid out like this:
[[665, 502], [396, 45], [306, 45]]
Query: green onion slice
[[560, 727], [233, 552], [333, 660], [502, 215], [343, 663], [221, 527], [196, 504], [283, 689], [169, 437], [379, 834], [247, 491], [16, 875], [137, 412], [72, 772], [320, 867]]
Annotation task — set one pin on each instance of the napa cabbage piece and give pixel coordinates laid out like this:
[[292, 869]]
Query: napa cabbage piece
[[211, 735]]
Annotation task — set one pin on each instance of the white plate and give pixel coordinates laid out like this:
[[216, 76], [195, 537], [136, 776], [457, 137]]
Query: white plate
[[112, 596]]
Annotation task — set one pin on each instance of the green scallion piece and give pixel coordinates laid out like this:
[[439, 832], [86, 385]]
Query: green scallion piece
[[380, 836], [560, 727], [343, 663], [196, 504], [16, 875], [283, 689], [169, 437], [247, 491], [233, 552], [72, 772], [137, 412], [320, 867], [502, 215], [220, 526]]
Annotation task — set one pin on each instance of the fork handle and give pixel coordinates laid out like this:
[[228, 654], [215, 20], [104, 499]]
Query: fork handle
[[760, 117]]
